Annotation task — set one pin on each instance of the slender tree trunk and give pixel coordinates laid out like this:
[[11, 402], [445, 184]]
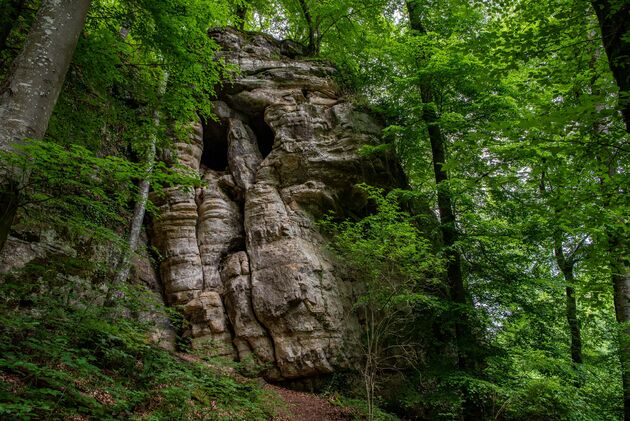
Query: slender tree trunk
[[9, 13], [574, 325], [614, 21], [313, 43], [37, 76], [464, 336], [122, 272], [124, 266], [616, 246], [445, 205], [566, 267]]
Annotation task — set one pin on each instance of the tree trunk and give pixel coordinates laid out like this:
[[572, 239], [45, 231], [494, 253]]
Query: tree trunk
[[566, 267], [313, 43], [445, 205], [620, 276], [33, 87], [464, 336], [241, 15], [124, 266], [615, 247], [122, 272], [574, 326], [614, 21], [9, 13]]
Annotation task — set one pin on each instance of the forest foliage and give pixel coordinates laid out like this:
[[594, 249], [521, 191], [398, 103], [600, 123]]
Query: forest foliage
[[496, 284]]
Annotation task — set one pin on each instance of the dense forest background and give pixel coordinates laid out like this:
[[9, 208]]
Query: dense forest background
[[497, 283]]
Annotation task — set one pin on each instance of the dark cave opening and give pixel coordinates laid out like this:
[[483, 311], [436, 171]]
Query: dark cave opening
[[215, 145], [215, 141], [264, 134]]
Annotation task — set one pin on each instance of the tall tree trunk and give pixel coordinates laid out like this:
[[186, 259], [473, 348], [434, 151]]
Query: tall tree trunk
[[122, 272], [621, 284], [34, 84], [445, 203], [614, 21], [9, 12], [438, 152], [124, 266], [464, 336], [615, 246], [620, 278], [566, 266]]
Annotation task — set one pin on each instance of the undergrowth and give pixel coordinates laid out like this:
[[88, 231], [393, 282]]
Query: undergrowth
[[66, 355]]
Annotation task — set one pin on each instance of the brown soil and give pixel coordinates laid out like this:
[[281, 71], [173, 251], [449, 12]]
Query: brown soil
[[303, 406]]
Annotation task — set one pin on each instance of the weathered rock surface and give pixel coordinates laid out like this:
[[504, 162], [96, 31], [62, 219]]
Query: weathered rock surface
[[243, 257]]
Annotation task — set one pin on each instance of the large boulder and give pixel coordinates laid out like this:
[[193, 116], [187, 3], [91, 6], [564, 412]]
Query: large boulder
[[243, 256]]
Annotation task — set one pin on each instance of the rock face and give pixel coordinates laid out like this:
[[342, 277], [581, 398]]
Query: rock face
[[243, 257]]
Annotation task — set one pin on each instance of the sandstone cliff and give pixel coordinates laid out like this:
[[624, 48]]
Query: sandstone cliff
[[242, 256]]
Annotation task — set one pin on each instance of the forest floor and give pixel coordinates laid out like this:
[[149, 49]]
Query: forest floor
[[299, 406], [302, 406]]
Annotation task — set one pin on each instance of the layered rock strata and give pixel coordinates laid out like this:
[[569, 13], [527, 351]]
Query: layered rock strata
[[243, 257]]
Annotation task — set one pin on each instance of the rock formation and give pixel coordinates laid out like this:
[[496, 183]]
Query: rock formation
[[242, 255]]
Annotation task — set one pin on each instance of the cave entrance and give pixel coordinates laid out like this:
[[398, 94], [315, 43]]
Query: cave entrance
[[264, 134], [215, 141], [215, 145]]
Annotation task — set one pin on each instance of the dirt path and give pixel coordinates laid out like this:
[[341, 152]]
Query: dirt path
[[300, 406], [303, 406]]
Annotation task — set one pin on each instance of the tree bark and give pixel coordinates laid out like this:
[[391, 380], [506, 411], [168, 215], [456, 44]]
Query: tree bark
[[614, 21], [445, 205], [36, 79]]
